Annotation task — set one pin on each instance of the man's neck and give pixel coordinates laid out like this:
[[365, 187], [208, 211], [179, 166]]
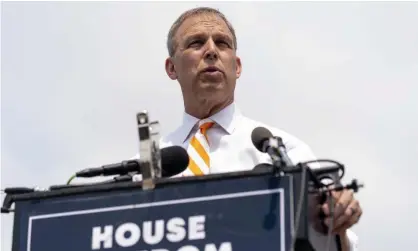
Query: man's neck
[[203, 111]]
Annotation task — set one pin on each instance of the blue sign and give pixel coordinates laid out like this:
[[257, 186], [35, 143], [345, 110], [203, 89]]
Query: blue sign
[[217, 215]]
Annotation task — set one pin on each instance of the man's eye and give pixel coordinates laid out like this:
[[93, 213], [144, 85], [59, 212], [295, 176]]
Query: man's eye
[[195, 43], [223, 42]]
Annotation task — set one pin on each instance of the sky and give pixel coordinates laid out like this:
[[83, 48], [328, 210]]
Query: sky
[[343, 77]]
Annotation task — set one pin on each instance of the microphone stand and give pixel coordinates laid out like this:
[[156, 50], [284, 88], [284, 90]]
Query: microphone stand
[[282, 166]]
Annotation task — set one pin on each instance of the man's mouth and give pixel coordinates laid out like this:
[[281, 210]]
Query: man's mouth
[[211, 69]]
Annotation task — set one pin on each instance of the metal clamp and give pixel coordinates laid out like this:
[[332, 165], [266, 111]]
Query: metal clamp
[[149, 151]]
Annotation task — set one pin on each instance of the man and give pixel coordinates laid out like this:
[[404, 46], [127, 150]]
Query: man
[[202, 58]]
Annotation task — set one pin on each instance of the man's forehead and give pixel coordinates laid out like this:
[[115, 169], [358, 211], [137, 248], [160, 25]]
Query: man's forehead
[[203, 22]]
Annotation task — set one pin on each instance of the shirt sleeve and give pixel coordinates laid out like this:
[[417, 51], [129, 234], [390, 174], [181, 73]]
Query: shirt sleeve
[[353, 240], [302, 153]]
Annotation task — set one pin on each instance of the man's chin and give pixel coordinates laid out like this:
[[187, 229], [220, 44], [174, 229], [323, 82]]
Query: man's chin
[[213, 86]]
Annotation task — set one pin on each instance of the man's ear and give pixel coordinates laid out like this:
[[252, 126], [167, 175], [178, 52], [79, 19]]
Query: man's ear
[[169, 68], [238, 67]]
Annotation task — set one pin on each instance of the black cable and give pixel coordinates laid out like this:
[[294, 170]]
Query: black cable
[[299, 206], [338, 165], [331, 204]]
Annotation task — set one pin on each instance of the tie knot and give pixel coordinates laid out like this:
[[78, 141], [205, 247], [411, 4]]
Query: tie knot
[[205, 126]]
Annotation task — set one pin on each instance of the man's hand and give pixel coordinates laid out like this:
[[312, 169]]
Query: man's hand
[[347, 211]]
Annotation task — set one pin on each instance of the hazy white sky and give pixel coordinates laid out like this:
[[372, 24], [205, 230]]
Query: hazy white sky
[[343, 77]]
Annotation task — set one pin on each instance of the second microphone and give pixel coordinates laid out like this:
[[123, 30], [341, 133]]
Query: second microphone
[[174, 160]]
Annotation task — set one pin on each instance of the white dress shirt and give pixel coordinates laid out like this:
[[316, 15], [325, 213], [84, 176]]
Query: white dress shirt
[[231, 149]]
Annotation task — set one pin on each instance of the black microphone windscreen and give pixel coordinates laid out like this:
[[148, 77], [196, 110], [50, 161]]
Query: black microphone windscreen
[[258, 136], [174, 160]]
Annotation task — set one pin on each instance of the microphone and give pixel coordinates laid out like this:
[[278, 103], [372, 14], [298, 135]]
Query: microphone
[[174, 160], [265, 142]]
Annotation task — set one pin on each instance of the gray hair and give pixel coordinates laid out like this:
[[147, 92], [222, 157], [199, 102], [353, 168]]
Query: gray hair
[[171, 43]]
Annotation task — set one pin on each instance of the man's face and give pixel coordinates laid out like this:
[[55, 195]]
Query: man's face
[[205, 63]]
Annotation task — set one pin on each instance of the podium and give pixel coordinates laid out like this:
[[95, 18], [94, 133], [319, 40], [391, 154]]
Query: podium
[[251, 210]]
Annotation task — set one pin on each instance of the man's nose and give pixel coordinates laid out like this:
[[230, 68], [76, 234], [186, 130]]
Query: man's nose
[[211, 50]]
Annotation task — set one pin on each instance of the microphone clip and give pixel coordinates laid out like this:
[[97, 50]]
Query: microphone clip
[[149, 150], [275, 148], [271, 147]]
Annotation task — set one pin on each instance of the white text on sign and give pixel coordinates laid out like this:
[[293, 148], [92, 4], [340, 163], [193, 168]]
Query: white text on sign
[[153, 233]]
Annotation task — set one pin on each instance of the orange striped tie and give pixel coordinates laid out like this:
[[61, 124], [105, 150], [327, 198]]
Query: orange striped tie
[[198, 150]]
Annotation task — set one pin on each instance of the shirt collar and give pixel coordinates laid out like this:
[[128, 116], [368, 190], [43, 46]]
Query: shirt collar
[[225, 118]]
